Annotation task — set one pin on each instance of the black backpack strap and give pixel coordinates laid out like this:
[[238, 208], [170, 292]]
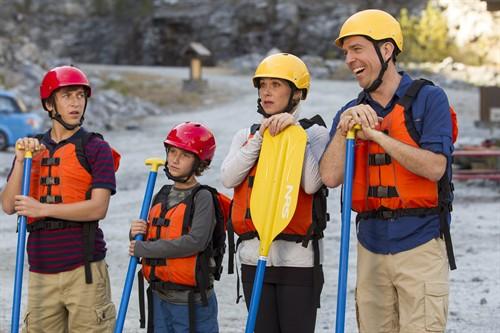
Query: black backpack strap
[[192, 312], [316, 120], [140, 289], [89, 230], [444, 196], [318, 277], [406, 102], [80, 144], [151, 318], [254, 128]]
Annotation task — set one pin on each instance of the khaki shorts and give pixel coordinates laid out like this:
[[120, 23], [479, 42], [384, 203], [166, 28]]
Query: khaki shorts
[[63, 302], [405, 292]]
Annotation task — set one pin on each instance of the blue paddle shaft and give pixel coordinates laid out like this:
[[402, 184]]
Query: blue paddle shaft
[[256, 292], [129, 280], [344, 239], [21, 242]]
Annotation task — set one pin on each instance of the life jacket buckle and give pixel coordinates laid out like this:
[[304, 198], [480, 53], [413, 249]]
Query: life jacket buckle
[[50, 199], [48, 161], [160, 222], [379, 159], [50, 181]]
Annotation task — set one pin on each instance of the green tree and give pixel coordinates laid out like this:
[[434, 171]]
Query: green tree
[[426, 36]]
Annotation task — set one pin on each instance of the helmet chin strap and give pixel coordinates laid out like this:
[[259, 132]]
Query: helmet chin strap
[[384, 64], [289, 108], [57, 117]]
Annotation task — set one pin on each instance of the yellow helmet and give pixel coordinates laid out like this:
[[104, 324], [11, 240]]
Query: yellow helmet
[[284, 66], [372, 23]]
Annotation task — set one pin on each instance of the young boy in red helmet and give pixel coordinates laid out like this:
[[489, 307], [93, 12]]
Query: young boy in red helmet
[[72, 179], [184, 237]]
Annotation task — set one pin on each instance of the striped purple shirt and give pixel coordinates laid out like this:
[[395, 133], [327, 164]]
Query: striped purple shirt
[[54, 251]]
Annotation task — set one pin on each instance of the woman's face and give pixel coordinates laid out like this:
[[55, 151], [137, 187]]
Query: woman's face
[[274, 94]]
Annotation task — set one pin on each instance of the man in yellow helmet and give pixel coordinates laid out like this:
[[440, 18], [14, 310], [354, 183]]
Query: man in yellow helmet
[[294, 276], [401, 184]]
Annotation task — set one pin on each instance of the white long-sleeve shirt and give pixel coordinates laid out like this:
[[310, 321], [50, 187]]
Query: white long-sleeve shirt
[[242, 156]]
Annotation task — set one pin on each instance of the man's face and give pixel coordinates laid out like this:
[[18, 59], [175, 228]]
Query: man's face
[[361, 58], [70, 103]]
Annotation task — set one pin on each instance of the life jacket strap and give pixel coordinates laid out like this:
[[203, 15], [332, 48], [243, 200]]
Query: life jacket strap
[[51, 199], [50, 181], [49, 161], [379, 159], [383, 191]]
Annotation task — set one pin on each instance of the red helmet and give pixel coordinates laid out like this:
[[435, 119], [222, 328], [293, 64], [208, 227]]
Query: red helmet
[[193, 137], [63, 76]]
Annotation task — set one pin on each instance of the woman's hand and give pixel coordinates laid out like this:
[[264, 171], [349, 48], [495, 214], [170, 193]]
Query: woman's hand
[[276, 123]]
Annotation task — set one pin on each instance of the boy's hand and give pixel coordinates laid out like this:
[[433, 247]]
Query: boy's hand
[[138, 227], [131, 248], [30, 144], [28, 206]]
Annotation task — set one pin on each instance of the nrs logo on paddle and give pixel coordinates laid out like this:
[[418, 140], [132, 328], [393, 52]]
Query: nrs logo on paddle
[[288, 201]]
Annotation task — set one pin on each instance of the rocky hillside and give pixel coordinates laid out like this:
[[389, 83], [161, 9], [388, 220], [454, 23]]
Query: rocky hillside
[[36, 35]]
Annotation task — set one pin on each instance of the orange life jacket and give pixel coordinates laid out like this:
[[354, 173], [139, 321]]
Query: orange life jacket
[[384, 189], [64, 176], [307, 223], [168, 224], [302, 226]]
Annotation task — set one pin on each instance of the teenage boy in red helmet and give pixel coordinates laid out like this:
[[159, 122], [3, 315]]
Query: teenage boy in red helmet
[[72, 179], [184, 236]]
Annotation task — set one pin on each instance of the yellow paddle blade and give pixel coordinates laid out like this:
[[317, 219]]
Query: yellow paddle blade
[[276, 184]]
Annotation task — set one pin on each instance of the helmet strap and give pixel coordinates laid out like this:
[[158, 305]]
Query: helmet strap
[[384, 64]]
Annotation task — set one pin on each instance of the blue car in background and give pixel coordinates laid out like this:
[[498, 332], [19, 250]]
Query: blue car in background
[[15, 121]]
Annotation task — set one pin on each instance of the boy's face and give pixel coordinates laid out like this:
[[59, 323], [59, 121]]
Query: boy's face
[[179, 162], [70, 103]]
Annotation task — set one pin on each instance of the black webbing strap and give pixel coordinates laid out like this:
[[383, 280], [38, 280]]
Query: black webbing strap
[[192, 312], [51, 199], [316, 120], [151, 316], [52, 224], [445, 193], [140, 289], [48, 161], [406, 102], [387, 214], [383, 191], [379, 159], [89, 229], [231, 247], [318, 277]]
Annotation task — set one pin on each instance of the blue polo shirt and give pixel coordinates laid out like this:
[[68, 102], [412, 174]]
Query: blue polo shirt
[[432, 120]]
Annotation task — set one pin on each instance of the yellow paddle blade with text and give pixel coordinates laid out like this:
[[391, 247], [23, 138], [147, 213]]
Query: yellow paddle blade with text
[[277, 182]]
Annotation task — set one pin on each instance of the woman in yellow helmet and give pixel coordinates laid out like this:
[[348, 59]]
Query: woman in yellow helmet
[[294, 277]]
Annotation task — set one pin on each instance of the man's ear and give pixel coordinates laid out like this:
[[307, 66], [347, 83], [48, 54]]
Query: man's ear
[[387, 50]]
